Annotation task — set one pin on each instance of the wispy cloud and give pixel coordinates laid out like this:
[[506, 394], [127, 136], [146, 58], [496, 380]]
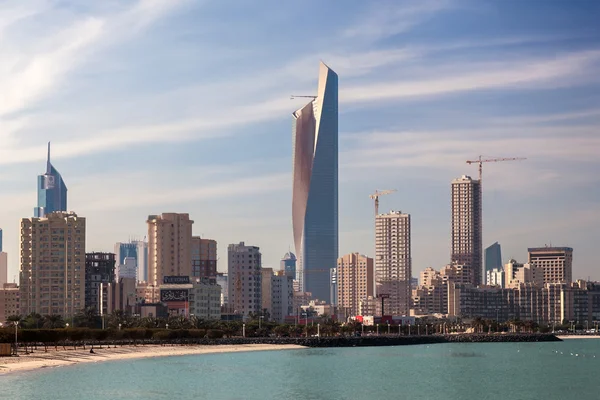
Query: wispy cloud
[[144, 196], [517, 75], [26, 77], [392, 18]]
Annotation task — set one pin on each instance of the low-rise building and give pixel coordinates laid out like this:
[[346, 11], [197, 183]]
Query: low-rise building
[[9, 301], [205, 299]]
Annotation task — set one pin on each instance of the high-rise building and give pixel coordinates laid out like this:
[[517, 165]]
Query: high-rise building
[[51, 191], [223, 282], [204, 257], [493, 257], [288, 264], [52, 270], [556, 262], [99, 269], [3, 264], [282, 296], [137, 250], [466, 226], [393, 261], [315, 187], [244, 271], [355, 277], [169, 246], [267, 291]]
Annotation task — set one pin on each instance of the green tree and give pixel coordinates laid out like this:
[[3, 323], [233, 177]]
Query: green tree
[[53, 322]]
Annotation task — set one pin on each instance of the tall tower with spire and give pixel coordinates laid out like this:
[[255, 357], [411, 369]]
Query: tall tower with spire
[[51, 191]]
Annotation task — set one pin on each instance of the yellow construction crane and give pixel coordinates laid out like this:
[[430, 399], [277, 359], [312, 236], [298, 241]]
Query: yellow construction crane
[[481, 160], [375, 196]]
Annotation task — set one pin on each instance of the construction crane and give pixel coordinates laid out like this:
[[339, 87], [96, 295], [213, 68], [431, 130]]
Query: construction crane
[[292, 97], [481, 160], [376, 195]]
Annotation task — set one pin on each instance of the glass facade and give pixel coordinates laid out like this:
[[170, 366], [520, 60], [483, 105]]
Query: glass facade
[[493, 258], [315, 187], [51, 191]]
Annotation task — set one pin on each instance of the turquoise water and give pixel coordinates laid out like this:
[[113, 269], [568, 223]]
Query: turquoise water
[[486, 371]]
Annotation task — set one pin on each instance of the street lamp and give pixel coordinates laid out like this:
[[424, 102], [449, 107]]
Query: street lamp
[[67, 325], [16, 338], [167, 326], [243, 330], [388, 328], [318, 330], [377, 329], [119, 326]]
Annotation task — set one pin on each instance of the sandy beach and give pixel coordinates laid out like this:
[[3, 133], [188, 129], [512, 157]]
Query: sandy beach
[[40, 359]]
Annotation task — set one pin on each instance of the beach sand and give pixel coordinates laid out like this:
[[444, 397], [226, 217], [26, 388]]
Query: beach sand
[[40, 359]]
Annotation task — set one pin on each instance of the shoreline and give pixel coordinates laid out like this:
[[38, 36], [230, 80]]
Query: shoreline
[[571, 337], [60, 358]]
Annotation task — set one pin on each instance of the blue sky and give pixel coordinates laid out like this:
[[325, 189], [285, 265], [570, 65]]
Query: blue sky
[[183, 106]]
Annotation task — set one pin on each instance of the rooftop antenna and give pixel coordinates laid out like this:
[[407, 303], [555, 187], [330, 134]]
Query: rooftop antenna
[[48, 165]]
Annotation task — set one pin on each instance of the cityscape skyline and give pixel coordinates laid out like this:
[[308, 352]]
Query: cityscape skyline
[[387, 135]]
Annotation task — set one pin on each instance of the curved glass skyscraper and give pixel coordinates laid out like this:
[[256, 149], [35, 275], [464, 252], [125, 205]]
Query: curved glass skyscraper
[[315, 187], [51, 190]]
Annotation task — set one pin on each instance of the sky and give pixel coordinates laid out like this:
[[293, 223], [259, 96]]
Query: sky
[[159, 106]]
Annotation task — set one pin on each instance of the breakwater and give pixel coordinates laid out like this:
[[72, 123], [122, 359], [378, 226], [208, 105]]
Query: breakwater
[[383, 340]]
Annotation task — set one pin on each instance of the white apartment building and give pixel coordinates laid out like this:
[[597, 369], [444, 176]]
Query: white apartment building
[[495, 277], [393, 261], [516, 273], [244, 278], [205, 299], [282, 296]]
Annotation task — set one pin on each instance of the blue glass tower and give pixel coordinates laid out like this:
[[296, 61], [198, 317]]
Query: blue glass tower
[[51, 190], [493, 257], [315, 187], [288, 264]]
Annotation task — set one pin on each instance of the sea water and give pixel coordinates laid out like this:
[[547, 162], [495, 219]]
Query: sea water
[[483, 371]]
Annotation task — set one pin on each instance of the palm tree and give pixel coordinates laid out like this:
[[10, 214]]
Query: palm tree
[[14, 319], [87, 317], [53, 321], [118, 318], [33, 321]]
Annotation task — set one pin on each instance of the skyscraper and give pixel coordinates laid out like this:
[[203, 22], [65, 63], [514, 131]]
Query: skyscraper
[[51, 190], [169, 246], [52, 272], [315, 187], [393, 261], [466, 226], [493, 257]]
